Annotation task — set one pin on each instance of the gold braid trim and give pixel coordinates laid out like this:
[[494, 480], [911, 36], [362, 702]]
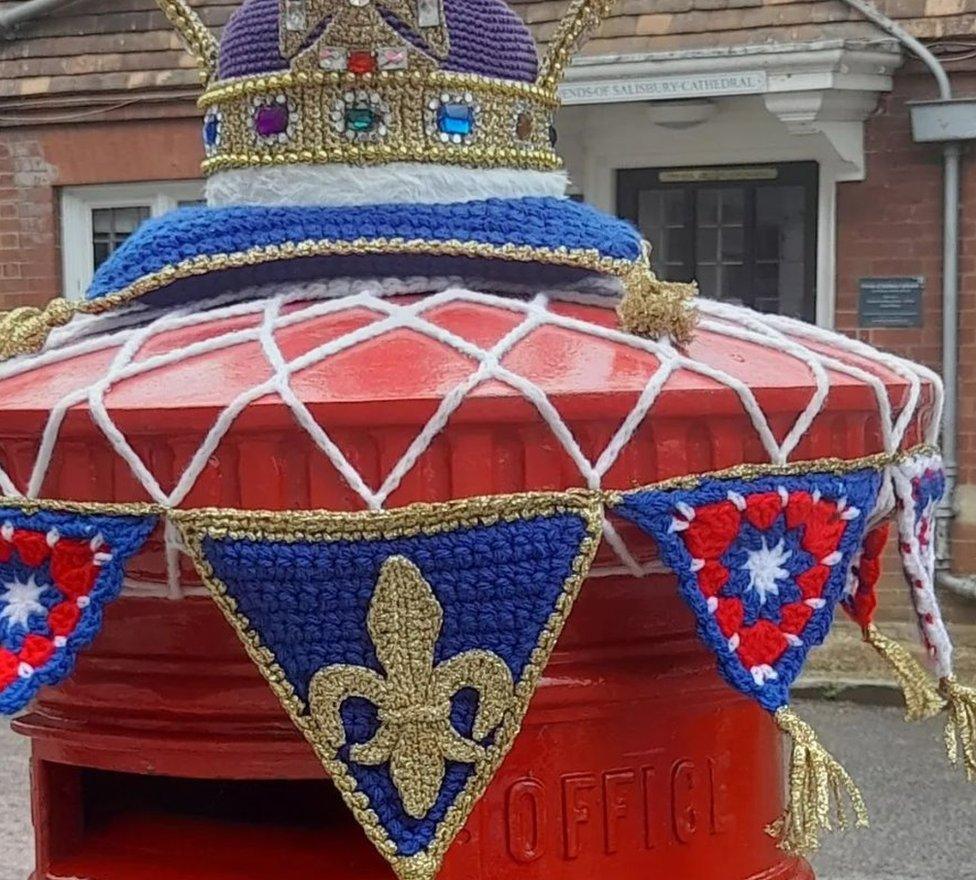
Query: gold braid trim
[[653, 308], [922, 698], [960, 727], [428, 519], [306, 519], [24, 330], [199, 42], [580, 21], [816, 779], [649, 308], [877, 461]]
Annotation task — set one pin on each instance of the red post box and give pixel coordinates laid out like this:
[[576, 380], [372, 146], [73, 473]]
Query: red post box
[[166, 755]]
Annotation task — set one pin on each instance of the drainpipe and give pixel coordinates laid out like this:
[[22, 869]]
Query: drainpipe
[[26, 10], [950, 122]]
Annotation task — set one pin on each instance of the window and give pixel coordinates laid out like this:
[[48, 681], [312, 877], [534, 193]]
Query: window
[[746, 234], [95, 220]]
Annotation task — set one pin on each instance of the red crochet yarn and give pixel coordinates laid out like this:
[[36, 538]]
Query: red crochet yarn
[[865, 574]]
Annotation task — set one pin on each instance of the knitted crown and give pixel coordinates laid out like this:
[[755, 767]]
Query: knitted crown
[[455, 82]]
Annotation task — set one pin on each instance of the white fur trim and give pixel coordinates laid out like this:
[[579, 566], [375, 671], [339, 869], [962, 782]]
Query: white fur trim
[[396, 183]]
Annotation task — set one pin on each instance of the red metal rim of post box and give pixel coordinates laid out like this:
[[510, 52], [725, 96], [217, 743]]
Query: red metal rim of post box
[[166, 756]]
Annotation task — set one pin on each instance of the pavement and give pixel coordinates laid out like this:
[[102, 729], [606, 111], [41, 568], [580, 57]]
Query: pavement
[[923, 811]]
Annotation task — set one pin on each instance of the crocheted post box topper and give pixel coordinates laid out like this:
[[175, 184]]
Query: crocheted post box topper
[[360, 151]]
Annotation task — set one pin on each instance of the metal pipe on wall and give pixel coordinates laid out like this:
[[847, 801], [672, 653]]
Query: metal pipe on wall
[[951, 154], [26, 10]]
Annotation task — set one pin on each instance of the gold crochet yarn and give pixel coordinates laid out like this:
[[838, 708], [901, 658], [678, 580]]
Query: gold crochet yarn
[[960, 726], [922, 698], [415, 734], [24, 330], [817, 787]]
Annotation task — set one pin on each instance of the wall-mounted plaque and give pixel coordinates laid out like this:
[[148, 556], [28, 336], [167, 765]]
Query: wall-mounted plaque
[[891, 302]]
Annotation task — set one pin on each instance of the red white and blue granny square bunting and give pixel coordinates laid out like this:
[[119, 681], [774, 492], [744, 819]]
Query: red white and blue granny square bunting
[[405, 644], [58, 569], [919, 484], [762, 563]]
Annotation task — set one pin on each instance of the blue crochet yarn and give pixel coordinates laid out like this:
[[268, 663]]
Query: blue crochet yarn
[[929, 487], [123, 537], [194, 232], [656, 512], [308, 601]]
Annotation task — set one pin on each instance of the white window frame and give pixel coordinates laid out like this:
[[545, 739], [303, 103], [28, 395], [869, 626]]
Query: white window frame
[[77, 204]]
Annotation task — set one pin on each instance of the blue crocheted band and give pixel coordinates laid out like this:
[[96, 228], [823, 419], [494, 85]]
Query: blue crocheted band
[[57, 572], [206, 235], [762, 564]]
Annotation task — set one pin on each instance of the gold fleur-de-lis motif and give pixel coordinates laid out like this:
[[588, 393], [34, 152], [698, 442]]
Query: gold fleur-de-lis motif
[[413, 699]]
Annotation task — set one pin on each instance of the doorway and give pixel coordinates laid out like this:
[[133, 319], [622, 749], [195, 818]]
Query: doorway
[[746, 233]]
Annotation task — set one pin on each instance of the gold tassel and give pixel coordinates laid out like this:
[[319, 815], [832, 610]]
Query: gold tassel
[[922, 697], [816, 778], [24, 330], [960, 728], [653, 308]]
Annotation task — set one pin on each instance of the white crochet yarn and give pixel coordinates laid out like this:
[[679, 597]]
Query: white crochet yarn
[[918, 559], [127, 332], [396, 183]]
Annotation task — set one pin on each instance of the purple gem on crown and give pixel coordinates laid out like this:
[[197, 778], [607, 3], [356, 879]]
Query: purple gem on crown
[[271, 119]]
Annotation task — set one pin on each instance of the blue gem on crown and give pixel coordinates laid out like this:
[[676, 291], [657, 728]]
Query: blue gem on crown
[[453, 118]]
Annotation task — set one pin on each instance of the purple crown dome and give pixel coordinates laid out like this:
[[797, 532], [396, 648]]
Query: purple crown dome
[[487, 38]]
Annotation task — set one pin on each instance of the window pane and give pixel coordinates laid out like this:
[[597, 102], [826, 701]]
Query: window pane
[[664, 220], [707, 241], [708, 207], [732, 205], [720, 241], [733, 246], [781, 248], [112, 226]]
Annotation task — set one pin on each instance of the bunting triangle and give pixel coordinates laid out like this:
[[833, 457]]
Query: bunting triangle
[[58, 570], [405, 644], [762, 563]]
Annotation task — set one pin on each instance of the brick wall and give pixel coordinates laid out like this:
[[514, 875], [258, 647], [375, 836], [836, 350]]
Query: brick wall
[[35, 162], [891, 224], [29, 251]]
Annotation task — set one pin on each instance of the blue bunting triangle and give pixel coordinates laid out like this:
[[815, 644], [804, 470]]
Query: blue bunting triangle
[[762, 563], [58, 569], [405, 645]]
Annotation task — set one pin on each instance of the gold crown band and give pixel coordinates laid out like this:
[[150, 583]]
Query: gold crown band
[[381, 117]]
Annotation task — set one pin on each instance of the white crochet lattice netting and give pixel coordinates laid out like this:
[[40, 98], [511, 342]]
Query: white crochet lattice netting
[[130, 349]]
